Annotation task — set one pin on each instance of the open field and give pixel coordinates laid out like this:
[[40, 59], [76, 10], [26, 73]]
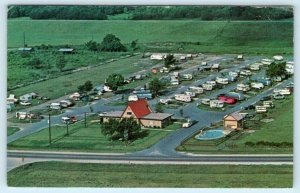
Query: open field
[[184, 35], [54, 88], [86, 139], [278, 131], [60, 174]]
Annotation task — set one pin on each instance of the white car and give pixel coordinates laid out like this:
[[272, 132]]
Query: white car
[[25, 103], [257, 85]]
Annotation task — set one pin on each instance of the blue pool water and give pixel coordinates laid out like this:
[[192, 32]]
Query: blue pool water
[[210, 134]]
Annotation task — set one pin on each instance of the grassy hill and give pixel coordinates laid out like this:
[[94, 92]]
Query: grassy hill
[[202, 36]]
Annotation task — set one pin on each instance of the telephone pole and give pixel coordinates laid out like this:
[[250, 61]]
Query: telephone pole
[[49, 124]]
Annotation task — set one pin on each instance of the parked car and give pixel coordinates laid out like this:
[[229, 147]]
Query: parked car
[[25, 103], [228, 100], [69, 119], [188, 123], [246, 73], [257, 85], [265, 98], [278, 96]]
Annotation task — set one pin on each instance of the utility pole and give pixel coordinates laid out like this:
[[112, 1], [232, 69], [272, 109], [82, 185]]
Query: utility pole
[[49, 124], [67, 127], [23, 39], [85, 119]]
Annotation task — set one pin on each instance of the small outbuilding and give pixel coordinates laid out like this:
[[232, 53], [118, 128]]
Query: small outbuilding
[[234, 121]]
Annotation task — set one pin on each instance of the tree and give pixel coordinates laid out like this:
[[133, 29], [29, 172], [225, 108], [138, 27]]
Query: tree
[[133, 44], [114, 81], [127, 129], [92, 45], [159, 108], [61, 63], [169, 60], [111, 43], [276, 69], [86, 87], [156, 85]]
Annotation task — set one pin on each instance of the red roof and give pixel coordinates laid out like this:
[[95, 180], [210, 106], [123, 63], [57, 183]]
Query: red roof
[[140, 108]]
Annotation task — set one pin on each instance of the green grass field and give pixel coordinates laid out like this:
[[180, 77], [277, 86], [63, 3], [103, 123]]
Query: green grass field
[[86, 139], [12, 130], [185, 35], [60, 174], [54, 88], [278, 131]]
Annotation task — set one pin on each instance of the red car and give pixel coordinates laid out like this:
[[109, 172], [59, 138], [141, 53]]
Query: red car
[[228, 100]]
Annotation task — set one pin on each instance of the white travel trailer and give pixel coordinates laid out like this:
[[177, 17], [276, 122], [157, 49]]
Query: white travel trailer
[[107, 88], [183, 97], [187, 77], [205, 101], [55, 106], [232, 73], [254, 67], [212, 82], [289, 67], [243, 87], [133, 98], [157, 56], [278, 57], [221, 80], [283, 91], [261, 109], [196, 89], [216, 104], [207, 86], [240, 57], [246, 73], [204, 63], [257, 85], [215, 66], [174, 80], [268, 104], [190, 93], [266, 61]]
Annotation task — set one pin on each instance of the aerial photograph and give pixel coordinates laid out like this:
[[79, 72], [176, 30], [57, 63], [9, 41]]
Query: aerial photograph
[[137, 96]]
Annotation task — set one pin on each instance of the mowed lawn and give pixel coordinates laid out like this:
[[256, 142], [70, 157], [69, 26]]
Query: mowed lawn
[[60, 174], [12, 130], [88, 139], [202, 36], [67, 84]]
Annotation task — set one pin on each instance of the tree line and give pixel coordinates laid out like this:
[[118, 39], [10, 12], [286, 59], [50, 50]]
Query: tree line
[[152, 12]]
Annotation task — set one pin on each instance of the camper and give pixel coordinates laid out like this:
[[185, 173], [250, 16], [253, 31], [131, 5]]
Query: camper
[[212, 82], [254, 67], [240, 57], [233, 74], [266, 61], [204, 63], [66, 103], [257, 85], [165, 101], [205, 101], [190, 93], [183, 97], [133, 98], [106, 88], [164, 70], [22, 115], [289, 67], [278, 57], [221, 80], [157, 56], [11, 99], [174, 80], [268, 104], [243, 87], [75, 96], [187, 77], [216, 104], [264, 81], [196, 89], [215, 66], [283, 91], [236, 95], [207, 86], [260, 109], [246, 73], [55, 106]]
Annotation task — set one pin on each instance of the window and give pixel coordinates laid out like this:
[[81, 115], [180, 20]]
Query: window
[[129, 113]]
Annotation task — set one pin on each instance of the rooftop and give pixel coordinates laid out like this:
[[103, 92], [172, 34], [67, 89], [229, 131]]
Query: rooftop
[[140, 108], [157, 116], [237, 116]]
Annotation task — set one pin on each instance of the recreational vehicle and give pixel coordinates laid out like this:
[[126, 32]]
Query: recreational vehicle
[[183, 97]]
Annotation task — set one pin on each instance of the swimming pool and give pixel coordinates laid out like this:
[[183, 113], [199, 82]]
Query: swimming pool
[[210, 134]]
